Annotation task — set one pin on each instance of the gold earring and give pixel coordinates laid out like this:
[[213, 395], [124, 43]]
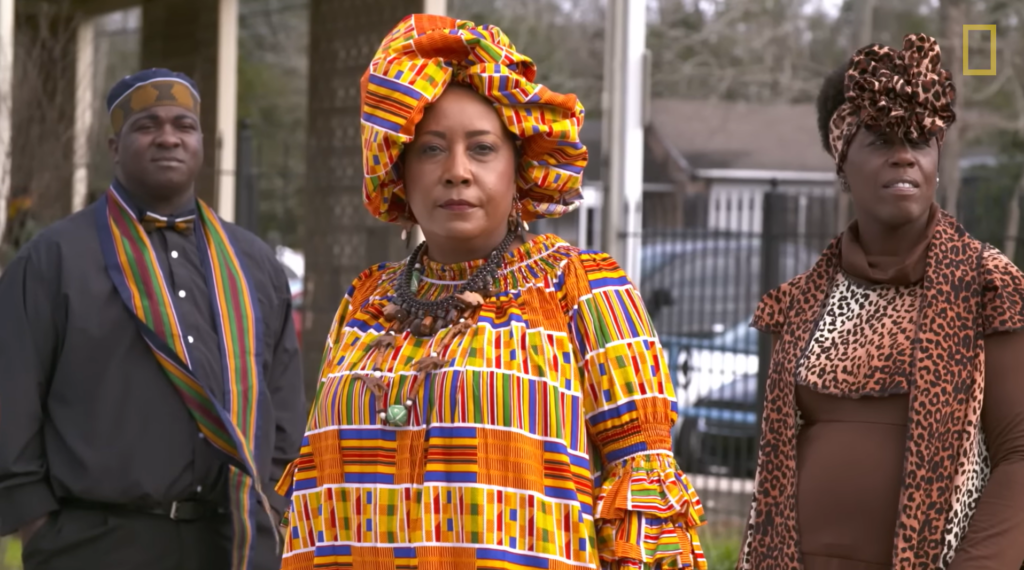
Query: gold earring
[[515, 217], [408, 222]]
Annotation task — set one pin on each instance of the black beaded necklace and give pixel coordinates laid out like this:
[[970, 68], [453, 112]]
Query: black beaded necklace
[[426, 318]]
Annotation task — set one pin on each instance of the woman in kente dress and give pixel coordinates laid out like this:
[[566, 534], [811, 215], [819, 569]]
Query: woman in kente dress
[[499, 399], [893, 430]]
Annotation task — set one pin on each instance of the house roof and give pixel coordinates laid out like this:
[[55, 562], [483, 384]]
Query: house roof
[[720, 134], [743, 137], [655, 166]]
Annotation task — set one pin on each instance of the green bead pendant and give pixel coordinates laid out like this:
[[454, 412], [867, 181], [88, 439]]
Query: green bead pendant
[[397, 415]]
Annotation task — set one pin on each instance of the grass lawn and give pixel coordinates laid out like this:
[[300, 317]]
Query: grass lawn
[[10, 554], [721, 543]]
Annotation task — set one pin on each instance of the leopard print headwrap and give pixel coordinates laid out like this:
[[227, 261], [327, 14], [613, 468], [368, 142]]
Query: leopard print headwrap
[[905, 91]]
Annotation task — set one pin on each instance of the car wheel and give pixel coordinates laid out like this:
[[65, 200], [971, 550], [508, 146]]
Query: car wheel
[[687, 447]]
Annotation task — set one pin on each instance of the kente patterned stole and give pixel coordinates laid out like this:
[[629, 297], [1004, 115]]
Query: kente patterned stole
[[230, 426]]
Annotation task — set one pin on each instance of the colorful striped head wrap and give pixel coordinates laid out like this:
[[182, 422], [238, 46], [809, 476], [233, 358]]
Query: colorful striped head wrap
[[412, 68], [150, 88], [905, 91]]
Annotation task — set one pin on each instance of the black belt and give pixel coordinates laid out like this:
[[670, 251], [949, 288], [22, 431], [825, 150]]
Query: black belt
[[187, 510]]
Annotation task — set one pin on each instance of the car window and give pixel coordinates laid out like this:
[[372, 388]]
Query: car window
[[705, 287], [292, 275], [703, 292], [737, 393]]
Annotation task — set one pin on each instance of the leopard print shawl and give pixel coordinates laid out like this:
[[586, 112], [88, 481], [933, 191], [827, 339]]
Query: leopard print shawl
[[969, 290]]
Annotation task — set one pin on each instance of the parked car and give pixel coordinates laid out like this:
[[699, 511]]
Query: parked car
[[294, 264], [701, 292], [703, 364], [701, 286], [719, 433]]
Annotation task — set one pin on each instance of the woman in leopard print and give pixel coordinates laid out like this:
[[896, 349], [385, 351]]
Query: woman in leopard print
[[893, 429]]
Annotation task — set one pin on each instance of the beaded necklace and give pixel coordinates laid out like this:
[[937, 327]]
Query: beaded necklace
[[451, 315]]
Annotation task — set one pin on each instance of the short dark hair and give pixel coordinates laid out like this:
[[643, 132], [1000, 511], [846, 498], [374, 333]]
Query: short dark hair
[[830, 98]]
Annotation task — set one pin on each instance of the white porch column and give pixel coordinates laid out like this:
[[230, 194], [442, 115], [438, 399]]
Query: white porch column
[[625, 82], [437, 8], [84, 100], [227, 108], [6, 103]]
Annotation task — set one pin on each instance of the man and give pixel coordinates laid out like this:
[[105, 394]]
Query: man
[[150, 391]]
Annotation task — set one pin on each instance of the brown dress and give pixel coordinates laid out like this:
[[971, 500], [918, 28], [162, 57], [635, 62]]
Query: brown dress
[[850, 451]]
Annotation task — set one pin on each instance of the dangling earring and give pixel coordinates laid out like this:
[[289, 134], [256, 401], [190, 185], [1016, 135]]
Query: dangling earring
[[515, 218], [408, 222], [844, 185]]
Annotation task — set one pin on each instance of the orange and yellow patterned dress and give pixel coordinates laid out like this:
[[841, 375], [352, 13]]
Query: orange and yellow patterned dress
[[543, 442]]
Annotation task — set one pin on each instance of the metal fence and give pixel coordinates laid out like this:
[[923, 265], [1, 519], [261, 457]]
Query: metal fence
[[701, 287]]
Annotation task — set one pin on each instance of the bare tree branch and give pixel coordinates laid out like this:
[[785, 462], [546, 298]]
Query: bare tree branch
[[42, 107]]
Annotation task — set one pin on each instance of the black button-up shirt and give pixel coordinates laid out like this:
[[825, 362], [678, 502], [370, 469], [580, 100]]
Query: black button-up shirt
[[87, 413]]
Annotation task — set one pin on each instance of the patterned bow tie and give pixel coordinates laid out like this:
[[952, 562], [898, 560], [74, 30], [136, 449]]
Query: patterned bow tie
[[184, 224]]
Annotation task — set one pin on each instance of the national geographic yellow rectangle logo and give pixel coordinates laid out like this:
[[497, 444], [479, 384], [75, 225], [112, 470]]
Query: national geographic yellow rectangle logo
[[990, 28]]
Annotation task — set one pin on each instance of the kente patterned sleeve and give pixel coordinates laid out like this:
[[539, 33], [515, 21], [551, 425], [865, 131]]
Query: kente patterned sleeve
[[284, 382], [646, 511], [303, 521]]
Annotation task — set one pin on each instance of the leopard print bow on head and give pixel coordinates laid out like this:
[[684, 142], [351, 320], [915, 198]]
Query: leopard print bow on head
[[905, 91]]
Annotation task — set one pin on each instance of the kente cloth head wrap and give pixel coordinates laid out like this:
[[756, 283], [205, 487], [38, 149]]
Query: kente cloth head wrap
[[150, 88], [412, 68], [904, 91]]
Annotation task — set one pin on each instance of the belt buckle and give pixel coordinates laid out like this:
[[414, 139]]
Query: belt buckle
[[174, 511]]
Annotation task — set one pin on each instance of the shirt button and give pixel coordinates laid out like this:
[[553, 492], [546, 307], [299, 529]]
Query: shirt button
[[202, 435], [174, 254], [199, 489], [190, 339], [181, 293]]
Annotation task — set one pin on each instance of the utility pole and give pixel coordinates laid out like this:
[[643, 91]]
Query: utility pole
[[952, 17], [624, 102], [865, 13], [6, 104]]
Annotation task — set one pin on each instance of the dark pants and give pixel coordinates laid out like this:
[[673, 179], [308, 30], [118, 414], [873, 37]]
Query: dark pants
[[77, 538]]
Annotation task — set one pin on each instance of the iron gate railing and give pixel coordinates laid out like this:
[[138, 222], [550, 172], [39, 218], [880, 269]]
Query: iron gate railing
[[701, 287]]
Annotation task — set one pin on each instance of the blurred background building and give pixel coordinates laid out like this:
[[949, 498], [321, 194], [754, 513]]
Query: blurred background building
[[703, 122]]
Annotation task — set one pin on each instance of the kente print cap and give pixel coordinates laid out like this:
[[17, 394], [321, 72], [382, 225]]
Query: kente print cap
[[421, 56], [150, 88]]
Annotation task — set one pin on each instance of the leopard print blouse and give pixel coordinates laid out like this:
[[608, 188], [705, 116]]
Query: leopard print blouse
[[969, 290]]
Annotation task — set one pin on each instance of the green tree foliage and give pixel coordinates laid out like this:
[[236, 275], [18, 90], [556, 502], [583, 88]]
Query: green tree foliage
[[564, 39]]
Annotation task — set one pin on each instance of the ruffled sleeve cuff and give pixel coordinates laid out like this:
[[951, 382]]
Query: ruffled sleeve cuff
[[284, 488], [647, 516]]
